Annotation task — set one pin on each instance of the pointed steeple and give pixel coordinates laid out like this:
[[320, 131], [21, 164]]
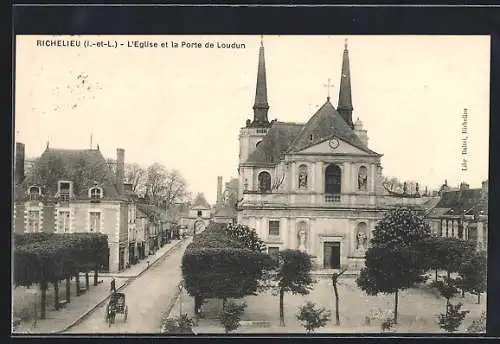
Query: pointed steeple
[[261, 106], [345, 100]]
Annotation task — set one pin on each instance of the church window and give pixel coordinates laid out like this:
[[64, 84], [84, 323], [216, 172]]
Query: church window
[[274, 228], [35, 192], [302, 177], [199, 212], [332, 183], [33, 221], [363, 179], [264, 182]]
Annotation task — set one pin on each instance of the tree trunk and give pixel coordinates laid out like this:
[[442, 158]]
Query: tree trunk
[[447, 305], [77, 280], [56, 295], [87, 281], [43, 287], [337, 316], [196, 305], [95, 277], [282, 314], [448, 274], [396, 307], [224, 301], [68, 288], [478, 298], [436, 275], [463, 293]]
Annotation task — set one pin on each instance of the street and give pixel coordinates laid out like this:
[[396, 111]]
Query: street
[[147, 298]]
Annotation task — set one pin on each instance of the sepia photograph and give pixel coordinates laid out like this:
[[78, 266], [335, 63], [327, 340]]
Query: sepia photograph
[[250, 184]]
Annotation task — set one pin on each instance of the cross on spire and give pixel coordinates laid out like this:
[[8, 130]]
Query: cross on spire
[[329, 85], [261, 40]]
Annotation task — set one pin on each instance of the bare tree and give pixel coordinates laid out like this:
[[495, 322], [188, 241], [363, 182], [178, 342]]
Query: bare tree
[[164, 186], [135, 174]]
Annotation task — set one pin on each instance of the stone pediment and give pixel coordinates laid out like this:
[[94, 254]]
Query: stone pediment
[[337, 146]]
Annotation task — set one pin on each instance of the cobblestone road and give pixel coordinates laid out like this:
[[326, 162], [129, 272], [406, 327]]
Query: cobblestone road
[[147, 298]]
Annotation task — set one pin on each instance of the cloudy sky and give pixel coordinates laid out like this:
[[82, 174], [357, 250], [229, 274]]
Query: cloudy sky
[[183, 107]]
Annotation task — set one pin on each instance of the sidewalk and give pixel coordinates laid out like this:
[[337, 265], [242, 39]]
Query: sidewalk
[[141, 266], [81, 306]]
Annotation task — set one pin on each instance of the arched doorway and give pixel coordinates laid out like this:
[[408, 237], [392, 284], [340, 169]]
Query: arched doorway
[[333, 179], [264, 181]]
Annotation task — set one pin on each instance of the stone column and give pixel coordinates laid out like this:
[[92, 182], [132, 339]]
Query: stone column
[[346, 178], [294, 176], [312, 178], [443, 228], [284, 233], [372, 181], [293, 233], [480, 234], [455, 228]]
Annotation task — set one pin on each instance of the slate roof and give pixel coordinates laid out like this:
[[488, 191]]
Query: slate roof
[[85, 168], [279, 137], [457, 201], [151, 211], [326, 123], [283, 137], [200, 202]]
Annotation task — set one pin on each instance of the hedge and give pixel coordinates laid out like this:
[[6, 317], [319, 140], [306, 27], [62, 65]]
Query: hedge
[[215, 265], [45, 257]]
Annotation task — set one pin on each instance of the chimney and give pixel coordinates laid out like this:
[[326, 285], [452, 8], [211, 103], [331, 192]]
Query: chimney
[[219, 190], [19, 165], [120, 169]]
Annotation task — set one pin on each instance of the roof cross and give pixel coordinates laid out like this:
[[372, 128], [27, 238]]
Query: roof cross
[[329, 85]]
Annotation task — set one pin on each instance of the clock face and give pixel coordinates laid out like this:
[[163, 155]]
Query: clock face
[[333, 143]]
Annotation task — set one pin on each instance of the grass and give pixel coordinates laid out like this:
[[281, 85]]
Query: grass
[[418, 310]]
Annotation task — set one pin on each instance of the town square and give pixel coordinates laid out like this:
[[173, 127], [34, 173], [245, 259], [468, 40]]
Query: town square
[[255, 184]]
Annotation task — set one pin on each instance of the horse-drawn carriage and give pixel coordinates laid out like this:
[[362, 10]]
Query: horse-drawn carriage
[[116, 305]]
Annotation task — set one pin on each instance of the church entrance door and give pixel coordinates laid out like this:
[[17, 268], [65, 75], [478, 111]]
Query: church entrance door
[[331, 255]]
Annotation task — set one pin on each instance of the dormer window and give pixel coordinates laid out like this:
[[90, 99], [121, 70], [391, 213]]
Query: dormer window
[[95, 194], [34, 193], [65, 189]]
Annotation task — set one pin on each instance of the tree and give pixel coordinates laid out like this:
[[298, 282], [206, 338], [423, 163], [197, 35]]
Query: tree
[[335, 279], [394, 261], [163, 186], [312, 317], [231, 314], [293, 276], [473, 273], [135, 175], [451, 320], [447, 288], [246, 235]]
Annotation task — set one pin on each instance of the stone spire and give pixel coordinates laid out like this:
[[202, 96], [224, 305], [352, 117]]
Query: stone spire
[[345, 100], [261, 106]]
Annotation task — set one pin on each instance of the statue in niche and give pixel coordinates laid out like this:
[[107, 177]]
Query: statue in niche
[[302, 237], [302, 177], [363, 179], [361, 240]]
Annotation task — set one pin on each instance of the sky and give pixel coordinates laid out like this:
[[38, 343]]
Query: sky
[[183, 107]]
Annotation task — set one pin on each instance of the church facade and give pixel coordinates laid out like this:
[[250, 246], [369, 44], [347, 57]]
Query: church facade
[[313, 186]]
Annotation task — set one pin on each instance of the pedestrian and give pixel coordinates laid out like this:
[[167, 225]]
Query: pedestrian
[[113, 285]]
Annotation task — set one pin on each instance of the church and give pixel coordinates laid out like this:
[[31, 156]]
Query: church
[[314, 186]]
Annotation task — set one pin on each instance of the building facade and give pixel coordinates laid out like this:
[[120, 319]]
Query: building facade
[[69, 191], [462, 214], [198, 216], [313, 186]]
